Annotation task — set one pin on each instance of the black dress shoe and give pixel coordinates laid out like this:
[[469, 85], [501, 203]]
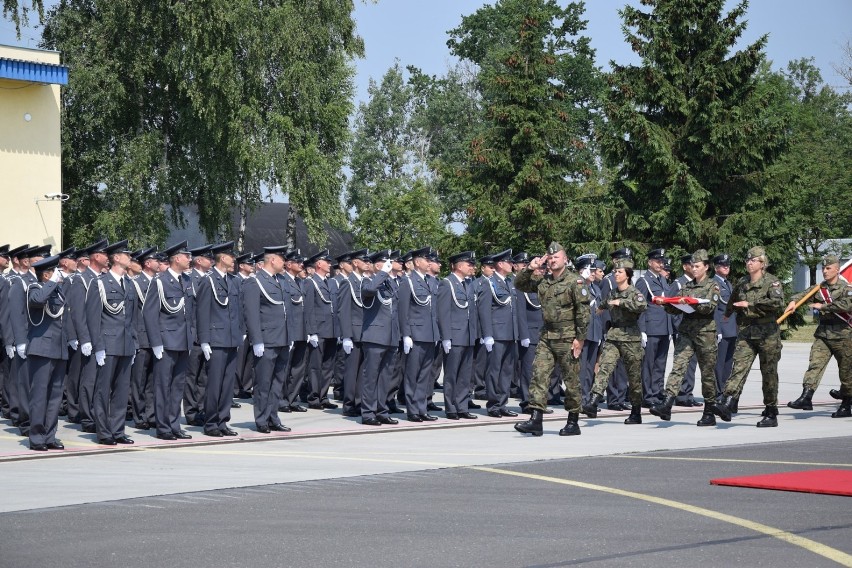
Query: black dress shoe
[[38, 447], [278, 428], [235, 404], [394, 409], [142, 426], [263, 429], [182, 435], [89, 429], [126, 440], [166, 436], [284, 408], [387, 420], [213, 433], [468, 415], [228, 432], [352, 413], [507, 412], [495, 414], [315, 406], [452, 416], [370, 422], [427, 417], [473, 406], [414, 418], [245, 395], [196, 422], [329, 405], [107, 442], [55, 445], [298, 408], [434, 407]]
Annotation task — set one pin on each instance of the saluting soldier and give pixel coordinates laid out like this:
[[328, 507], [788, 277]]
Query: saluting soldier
[[142, 370], [832, 338], [564, 299], [419, 327], [458, 323], [196, 373], [696, 336], [726, 328], [111, 313], [322, 328], [350, 314], [396, 392], [655, 325], [169, 312], [595, 331], [298, 363], [45, 351], [265, 309], [757, 300], [219, 320], [380, 338]]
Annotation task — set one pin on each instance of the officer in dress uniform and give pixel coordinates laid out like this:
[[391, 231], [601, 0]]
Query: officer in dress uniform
[[196, 373], [245, 374], [419, 327], [10, 365], [265, 308], [481, 286], [616, 391], [142, 372], [595, 331], [458, 323], [380, 337], [219, 321], [655, 325], [4, 357], [726, 329], [499, 324], [169, 312], [45, 351], [433, 278], [396, 392], [298, 364], [111, 312], [322, 328], [350, 314], [67, 269], [533, 319]]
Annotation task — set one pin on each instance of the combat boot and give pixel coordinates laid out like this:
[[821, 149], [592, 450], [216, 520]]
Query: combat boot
[[769, 420], [734, 405], [835, 394], [845, 408], [707, 419], [804, 401], [664, 409], [571, 427], [531, 426], [635, 415], [590, 409], [720, 410]]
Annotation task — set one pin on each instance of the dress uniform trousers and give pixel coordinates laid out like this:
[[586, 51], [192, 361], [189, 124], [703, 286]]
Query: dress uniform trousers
[[142, 387], [654, 369], [221, 374], [458, 370], [377, 376], [270, 372], [45, 385], [352, 378], [322, 358], [296, 373], [501, 367], [418, 376], [196, 385], [169, 379], [109, 404]]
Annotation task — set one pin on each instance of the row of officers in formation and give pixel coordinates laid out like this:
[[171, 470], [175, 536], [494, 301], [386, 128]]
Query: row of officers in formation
[[103, 335]]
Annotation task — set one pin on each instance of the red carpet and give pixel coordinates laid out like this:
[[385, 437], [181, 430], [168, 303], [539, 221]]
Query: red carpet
[[825, 481]]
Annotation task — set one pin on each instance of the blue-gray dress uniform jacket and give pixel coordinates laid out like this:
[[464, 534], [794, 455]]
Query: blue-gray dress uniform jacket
[[140, 284], [350, 311], [497, 311], [168, 323], [320, 313], [380, 337], [112, 327], [726, 328], [418, 318], [265, 310], [458, 321], [657, 324], [219, 313]]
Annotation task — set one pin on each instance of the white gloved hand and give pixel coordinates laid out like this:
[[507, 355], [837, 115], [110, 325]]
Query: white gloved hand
[[74, 344], [387, 267], [447, 344], [489, 343], [482, 341], [347, 345], [22, 350], [292, 343], [158, 351], [407, 344], [718, 338], [205, 348], [56, 276], [525, 342], [313, 340], [644, 339], [10, 351], [100, 357], [244, 336], [86, 349], [258, 349]]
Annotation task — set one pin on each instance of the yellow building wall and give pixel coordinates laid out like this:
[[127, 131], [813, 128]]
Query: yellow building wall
[[30, 156]]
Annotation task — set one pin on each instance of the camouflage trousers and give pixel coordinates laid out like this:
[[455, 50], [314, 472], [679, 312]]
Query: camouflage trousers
[[768, 348], [822, 351], [703, 345], [631, 353], [548, 354]]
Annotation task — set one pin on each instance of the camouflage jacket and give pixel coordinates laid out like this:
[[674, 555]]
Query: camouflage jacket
[[831, 326], [765, 300], [624, 318], [564, 303], [701, 320]]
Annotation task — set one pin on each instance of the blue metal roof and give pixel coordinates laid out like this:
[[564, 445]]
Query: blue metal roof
[[33, 72]]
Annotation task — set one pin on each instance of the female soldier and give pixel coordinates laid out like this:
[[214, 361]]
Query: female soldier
[[624, 340]]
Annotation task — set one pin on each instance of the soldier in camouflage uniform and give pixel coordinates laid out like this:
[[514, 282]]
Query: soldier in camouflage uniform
[[757, 300], [623, 341], [833, 337], [696, 334], [564, 299]]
